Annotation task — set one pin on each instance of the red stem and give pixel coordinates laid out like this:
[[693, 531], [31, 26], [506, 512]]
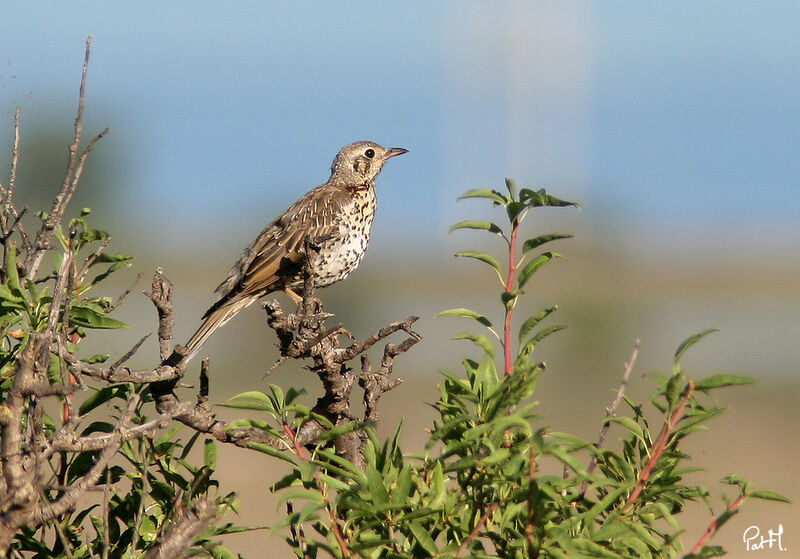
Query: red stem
[[481, 521], [660, 445], [512, 249], [334, 523], [713, 526], [529, 526]]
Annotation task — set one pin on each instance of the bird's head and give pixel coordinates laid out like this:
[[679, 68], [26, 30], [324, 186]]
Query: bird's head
[[360, 162]]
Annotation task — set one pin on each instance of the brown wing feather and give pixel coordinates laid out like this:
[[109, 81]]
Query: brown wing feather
[[278, 250]]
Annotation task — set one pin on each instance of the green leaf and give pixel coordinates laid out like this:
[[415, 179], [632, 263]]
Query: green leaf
[[540, 197], [689, 342], [251, 400], [89, 318], [12, 274], [91, 235], [511, 187], [769, 496], [210, 454], [402, 489], [536, 242], [493, 195], [532, 321], [534, 265], [148, 528], [376, 488], [343, 429], [482, 256], [97, 358], [466, 313], [218, 551], [628, 424], [514, 209], [116, 257], [111, 269], [720, 381], [482, 225], [479, 340], [528, 347], [423, 538], [7, 295]]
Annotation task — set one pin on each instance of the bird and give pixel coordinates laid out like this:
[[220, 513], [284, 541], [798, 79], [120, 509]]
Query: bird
[[331, 222]]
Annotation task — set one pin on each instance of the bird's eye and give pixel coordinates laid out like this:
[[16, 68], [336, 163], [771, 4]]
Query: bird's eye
[[370, 153]]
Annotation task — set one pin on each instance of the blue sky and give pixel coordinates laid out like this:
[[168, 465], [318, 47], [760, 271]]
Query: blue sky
[[671, 119]]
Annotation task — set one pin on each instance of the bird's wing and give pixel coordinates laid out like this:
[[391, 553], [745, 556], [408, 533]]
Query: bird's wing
[[280, 245]]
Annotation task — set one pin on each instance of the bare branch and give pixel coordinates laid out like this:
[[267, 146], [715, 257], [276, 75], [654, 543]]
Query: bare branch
[[161, 296], [12, 180], [60, 289], [106, 498], [91, 259], [129, 353], [358, 348], [72, 176], [125, 293], [66, 440], [69, 499], [611, 411]]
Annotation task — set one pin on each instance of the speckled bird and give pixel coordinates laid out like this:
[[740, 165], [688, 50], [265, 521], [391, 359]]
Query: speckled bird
[[334, 220]]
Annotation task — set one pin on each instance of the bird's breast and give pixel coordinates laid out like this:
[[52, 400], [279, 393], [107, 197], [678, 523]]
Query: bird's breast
[[341, 254]]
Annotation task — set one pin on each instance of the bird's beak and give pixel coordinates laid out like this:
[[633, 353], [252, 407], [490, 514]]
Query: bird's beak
[[392, 152]]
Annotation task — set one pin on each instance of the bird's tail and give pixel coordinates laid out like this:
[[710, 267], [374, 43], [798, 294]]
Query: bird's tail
[[214, 318]]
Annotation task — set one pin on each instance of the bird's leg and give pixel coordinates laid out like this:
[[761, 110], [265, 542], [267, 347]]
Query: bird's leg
[[295, 297]]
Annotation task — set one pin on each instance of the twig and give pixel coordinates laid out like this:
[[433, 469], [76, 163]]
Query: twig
[[181, 535], [358, 348], [125, 293], [8, 205], [715, 522], [530, 527], [476, 530], [139, 515], [64, 440], [70, 497], [59, 291], [12, 180], [296, 531], [91, 259], [63, 537], [660, 445], [72, 176], [161, 296], [611, 411], [202, 396], [128, 354], [106, 491]]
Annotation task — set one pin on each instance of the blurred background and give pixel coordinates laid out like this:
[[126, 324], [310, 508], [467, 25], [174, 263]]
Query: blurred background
[[676, 126]]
